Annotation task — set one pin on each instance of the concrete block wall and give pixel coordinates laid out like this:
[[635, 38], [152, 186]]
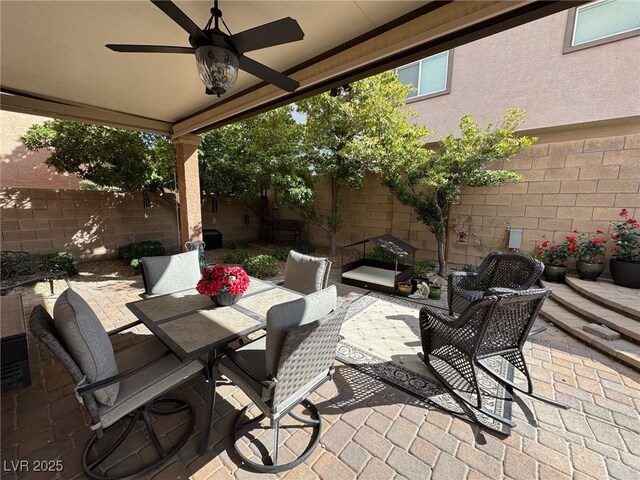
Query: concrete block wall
[[576, 180], [229, 219], [89, 225]]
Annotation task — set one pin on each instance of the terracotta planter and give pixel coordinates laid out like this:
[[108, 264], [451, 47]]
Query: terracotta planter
[[555, 273], [589, 271], [224, 299], [625, 274], [404, 288]]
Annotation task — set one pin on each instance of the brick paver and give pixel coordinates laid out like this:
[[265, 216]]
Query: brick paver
[[372, 431]]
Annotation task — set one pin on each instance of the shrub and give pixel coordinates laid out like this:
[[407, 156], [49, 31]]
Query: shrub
[[304, 247], [380, 254], [421, 269], [133, 252], [137, 250], [469, 268], [237, 255], [261, 266], [62, 261], [282, 253]]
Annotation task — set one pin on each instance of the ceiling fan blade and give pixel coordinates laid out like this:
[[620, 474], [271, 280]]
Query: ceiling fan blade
[[281, 31], [170, 9], [268, 74], [148, 48]]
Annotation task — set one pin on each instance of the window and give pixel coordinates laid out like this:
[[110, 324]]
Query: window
[[428, 77], [602, 22]]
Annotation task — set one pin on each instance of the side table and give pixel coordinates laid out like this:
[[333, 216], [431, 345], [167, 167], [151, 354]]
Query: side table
[[14, 352]]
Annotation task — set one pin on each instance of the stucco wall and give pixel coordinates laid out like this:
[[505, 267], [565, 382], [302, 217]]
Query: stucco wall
[[525, 67], [21, 168], [570, 184]]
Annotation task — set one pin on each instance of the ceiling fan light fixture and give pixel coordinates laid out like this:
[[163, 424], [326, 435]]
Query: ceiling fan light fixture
[[217, 67]]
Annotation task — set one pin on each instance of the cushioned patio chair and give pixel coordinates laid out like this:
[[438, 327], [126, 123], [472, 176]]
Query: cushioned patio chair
[[455, 347], [171, 273], [128, 384], [513, 271], [280, 370], [306, 274]]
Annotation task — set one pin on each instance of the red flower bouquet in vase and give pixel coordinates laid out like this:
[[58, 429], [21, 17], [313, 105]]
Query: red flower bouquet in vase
[[225, 285]]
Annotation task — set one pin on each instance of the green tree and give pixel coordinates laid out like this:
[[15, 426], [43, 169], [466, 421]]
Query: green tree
[[108, 157], [246, 159], [349, 130], [430, 182]]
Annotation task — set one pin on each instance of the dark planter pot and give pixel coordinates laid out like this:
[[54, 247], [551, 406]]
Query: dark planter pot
[[625, 274], [435, 292], [555, 273], [415, 281], [589, 271], [224, 299]]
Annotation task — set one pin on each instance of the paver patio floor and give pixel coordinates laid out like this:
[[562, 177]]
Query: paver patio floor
[[372, 430]]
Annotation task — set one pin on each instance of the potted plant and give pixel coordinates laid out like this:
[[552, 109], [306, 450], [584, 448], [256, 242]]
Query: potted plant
[[225, 285], [625, 256], [589, 255], [420, 274], [554, 257]]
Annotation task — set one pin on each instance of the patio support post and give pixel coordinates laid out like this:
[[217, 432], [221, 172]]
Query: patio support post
[[189, 188]]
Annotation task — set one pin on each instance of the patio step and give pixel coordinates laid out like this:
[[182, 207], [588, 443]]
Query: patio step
[[593, 310], [605, 292], [625, 349]]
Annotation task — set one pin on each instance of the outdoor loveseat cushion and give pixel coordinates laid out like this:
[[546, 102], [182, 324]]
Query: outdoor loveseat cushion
[[87, 342], [168, 274], [291, 314], [304, 273]]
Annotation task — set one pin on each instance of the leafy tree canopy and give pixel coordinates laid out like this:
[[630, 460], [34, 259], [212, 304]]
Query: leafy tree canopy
[[351, 129], [245, 159], [432, 180], [109, 157]]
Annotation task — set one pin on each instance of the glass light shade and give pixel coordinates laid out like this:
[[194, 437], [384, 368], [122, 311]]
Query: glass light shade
[[217, 67]]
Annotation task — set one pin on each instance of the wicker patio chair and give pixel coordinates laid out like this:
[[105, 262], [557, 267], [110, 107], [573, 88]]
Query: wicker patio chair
[[306, 274], [454, 347], [142, 374], [279, 371], [170, 273], [514, 271]]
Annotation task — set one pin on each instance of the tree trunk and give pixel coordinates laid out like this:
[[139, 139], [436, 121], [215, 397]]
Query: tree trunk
[[442, 271], [333, 220]]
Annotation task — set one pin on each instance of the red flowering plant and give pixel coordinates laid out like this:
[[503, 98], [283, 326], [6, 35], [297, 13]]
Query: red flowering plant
[[220, 279], [627, 238], [556, 253], [590, 247]]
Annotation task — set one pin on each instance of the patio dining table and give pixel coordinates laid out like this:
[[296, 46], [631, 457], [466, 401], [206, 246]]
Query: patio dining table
[[193, 328]]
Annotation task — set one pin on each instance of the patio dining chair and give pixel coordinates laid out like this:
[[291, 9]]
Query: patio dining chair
[[280, 370], [494, 326], [512, 271], [128, 385], [306, 274], [170, 273]]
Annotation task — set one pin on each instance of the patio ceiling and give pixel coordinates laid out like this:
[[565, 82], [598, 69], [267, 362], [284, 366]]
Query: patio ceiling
[[54, 63]]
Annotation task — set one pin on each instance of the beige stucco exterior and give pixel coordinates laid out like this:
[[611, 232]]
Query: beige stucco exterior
[[525, 67]]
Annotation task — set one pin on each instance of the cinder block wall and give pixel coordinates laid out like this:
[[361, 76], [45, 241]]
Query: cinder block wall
[[570, 182], [88, 224], [230, 220]]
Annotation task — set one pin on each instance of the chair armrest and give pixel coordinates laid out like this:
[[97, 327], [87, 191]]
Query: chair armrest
[[92, 387], [500, 292], [124, 327], [430, 317], [246, 369]]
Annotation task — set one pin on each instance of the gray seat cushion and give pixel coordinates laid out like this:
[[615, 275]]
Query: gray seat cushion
[[253, 355], [304, 273], [163, 373], [297, 312], [171, 273], [87, 342]]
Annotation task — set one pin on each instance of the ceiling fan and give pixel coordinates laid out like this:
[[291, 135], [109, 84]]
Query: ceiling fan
[[219, 55]]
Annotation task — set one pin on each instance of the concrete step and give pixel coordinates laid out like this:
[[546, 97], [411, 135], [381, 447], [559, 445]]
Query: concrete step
[[605, 292], [581, 304], [625, 350]]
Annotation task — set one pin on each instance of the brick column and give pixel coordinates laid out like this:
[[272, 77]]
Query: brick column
[[188, 188]]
